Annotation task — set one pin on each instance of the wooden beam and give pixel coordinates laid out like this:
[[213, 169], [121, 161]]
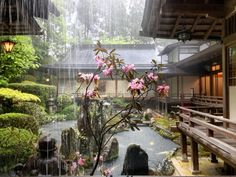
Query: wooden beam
[[210, 29], [176, 25], [212, 10], [195, 23]]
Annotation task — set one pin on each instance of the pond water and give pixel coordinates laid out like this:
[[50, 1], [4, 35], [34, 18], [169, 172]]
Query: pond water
[[155, 145]]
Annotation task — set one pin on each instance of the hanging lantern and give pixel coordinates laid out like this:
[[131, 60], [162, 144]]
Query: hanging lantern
[[7, 46]]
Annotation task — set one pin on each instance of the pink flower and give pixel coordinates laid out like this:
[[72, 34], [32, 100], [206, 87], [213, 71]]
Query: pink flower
[[163, 90], [128, 68], [73, 166], [100, 158], [81, 161], [108, 71], [87, 77], [99, 61], [136, 84], [96, 78], [106, 172], [91, 94], [152, 77]]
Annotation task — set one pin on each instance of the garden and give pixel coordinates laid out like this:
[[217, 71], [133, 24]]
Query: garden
[[46, 132]]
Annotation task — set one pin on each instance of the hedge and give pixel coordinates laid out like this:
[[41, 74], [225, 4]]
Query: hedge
[[37, 111], [41, 90], [19, 120], [7, 94], [16, 146]]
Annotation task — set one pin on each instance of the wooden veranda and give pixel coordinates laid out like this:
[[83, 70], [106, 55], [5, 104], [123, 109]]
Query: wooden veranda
[[215, 133]]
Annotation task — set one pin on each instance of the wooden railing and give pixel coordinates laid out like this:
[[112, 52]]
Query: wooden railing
[[214, 101], [216, 132]]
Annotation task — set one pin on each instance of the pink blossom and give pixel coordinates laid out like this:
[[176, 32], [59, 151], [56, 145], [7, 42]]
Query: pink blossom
[[73, 166], [163, 90], [99, 61], [96, 78], [91, 94], [152, 77], [136, 84], [88, 77], [128, 68], [81, 161], [107, 172], [100, 158], [108, 71]]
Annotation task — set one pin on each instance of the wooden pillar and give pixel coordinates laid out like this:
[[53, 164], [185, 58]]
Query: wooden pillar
[[213, 158], [183, 143], [116, 87], [166, 106], [194, 157]]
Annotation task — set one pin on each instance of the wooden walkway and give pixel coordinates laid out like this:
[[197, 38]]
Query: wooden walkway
[[212, 101], [215, 133]]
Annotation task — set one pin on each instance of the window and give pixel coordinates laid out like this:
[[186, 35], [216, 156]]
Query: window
[[232, 65]]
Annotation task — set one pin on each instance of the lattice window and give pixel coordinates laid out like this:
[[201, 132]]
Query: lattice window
[[230, 25], [232, 65]]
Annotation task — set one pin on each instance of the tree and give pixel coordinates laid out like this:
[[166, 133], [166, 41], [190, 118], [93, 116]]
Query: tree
[[21, 59], [111, 66]]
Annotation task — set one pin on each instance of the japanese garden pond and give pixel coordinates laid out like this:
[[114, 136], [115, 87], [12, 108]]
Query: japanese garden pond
[[155, 145]]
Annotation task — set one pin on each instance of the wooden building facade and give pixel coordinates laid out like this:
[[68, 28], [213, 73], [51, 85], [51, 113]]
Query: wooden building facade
[[207, 20]]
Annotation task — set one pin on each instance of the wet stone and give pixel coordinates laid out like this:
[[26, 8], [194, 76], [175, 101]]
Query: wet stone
[[136, 161]]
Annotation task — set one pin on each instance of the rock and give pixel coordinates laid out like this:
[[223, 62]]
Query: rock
[[136, 161], [70, 142], [165, 168], [111, 151]]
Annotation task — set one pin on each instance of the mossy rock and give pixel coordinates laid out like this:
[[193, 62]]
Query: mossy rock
[[16, 146], [19, 120]]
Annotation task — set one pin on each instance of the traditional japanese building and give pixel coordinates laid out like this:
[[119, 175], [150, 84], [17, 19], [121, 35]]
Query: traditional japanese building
[[82, 59], [204, 20]]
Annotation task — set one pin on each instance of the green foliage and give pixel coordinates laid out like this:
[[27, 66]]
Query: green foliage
[[63, 101], [22, 58], [120, 102], [16, 146], [41, 90], [70, 112], [37, 111], [7, 94], [19, 120]]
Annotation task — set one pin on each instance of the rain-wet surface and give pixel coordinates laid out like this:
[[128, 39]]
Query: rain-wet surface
[[155, 145]]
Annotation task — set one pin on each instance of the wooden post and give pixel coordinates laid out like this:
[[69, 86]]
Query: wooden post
[[213, 158], [183, 139], [194, 157]]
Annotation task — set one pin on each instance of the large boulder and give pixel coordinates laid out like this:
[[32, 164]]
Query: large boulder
[[136, 161], [70, 142], [111, 151]]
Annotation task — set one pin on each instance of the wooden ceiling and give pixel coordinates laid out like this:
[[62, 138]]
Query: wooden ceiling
[[17, 16], [204, 19]]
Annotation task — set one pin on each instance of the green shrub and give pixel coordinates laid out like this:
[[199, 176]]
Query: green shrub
[[120, 102], [37, 111], [19, 120], [7, 94], [41, 90], [63, 101], [70, 112], [15, 147]]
